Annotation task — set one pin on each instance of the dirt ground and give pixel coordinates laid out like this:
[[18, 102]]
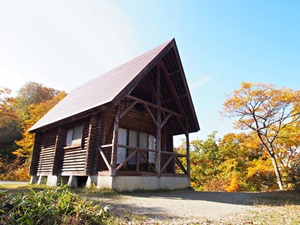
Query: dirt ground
[[182, 206]]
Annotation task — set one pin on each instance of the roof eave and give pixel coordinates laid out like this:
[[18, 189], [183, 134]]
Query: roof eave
[[72, 118]]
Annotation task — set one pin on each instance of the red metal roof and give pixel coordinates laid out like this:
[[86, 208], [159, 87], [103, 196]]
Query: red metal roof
[[108, 87]]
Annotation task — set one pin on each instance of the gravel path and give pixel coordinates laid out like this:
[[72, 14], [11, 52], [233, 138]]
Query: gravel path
[[183, 205]]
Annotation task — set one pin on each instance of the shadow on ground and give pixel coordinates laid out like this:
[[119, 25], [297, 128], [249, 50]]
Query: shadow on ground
[[240, 198]]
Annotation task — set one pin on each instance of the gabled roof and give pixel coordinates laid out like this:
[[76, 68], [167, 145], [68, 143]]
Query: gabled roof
[[112, 86]]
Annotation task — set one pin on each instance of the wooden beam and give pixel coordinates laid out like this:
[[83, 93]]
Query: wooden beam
[[188, 161], [126, 160], [154, 106], [127, 109], [105, 159], [114, 151], [158, 121], [147, 161], [172, 88], [135, 148], [174, 72], [165, 121], [150, 113], [106, 146], [166, 164], [173, 153], [182, 125], [180, 165]]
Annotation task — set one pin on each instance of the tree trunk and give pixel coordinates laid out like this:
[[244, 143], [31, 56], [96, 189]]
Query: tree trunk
[[277, 172]]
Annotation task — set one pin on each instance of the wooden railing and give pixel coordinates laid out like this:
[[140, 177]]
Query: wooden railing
[[136, 151]]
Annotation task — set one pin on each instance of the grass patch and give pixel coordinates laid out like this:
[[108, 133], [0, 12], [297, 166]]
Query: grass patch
[[279, 198], [57, 205], [94, 192]]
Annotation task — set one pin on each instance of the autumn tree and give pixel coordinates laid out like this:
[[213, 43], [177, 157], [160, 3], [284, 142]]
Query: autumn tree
[[288, 145], [10, 124], [17, 115], [266, 110], [205, 160], [235, 162], [35, 112], [32, 93]]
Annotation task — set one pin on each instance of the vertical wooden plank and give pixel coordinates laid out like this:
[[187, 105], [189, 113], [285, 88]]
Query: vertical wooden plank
[[158, 121], [91, 144], [57, 161], [188, 161], [115, 142]]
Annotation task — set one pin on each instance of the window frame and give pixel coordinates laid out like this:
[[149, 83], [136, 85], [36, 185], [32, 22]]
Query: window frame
[[74, 142], [137, 145]]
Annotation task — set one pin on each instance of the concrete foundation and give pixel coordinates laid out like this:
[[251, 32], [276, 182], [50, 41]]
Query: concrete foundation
[[120, 183], [130, 183], [53, 180], [33, 180]]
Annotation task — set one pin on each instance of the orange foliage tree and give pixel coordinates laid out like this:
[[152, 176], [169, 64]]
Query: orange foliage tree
[[236, 162], [23, 153], [266, 110], [17, 115]]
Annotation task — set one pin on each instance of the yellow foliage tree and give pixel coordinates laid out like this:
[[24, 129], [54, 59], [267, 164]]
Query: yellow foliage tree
[[266, 110], [260, 174]]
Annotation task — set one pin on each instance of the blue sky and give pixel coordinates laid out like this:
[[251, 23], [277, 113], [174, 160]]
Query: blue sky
[[63, 44]]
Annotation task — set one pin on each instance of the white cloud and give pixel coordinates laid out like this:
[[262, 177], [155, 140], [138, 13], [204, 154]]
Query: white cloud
[[200, 82]]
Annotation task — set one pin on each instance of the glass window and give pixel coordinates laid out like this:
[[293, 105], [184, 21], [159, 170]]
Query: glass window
[[151, 146], [122, 140], [74, 135], [135, 138]]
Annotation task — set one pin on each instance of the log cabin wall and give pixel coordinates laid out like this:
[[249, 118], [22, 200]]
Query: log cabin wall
[[137, 119], [91, 145], [74, 159], [39, 137], [59, 151], [47, 152]]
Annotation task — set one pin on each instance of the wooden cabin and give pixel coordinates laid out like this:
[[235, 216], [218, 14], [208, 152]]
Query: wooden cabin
[[116, 131]]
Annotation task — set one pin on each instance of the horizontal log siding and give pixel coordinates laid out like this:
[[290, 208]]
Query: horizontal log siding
[[47, 153], [36, 154], [140, 121], [74, 159]]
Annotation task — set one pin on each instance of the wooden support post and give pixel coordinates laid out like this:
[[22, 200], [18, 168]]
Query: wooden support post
[[188, 161], [158, 122], [114, 150]]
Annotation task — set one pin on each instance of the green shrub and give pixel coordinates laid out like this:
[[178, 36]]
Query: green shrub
[[49, 206]]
